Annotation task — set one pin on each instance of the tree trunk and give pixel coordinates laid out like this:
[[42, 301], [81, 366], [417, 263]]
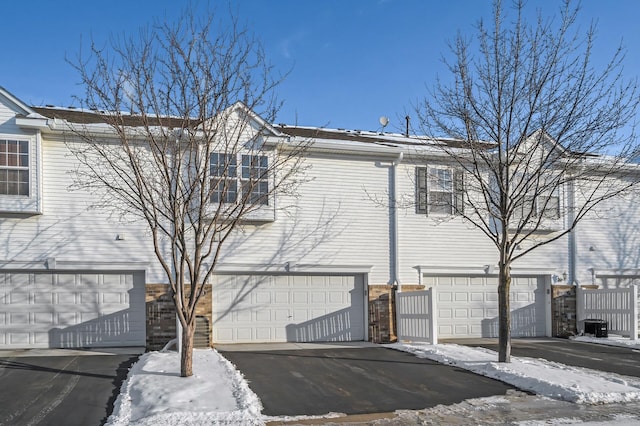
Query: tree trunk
[[504, 311], [186, 354]]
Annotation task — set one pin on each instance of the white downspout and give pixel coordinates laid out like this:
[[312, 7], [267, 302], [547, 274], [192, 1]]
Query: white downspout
[[394, 223], [395, 280], [573, 235]]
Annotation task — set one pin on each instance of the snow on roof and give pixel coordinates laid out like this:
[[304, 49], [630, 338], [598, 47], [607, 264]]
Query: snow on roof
[[86, 116], [327, 135], [381, 138]]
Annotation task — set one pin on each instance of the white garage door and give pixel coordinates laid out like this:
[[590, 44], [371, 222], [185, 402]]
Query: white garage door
[[287, 308], [468, 306], [45, 309]]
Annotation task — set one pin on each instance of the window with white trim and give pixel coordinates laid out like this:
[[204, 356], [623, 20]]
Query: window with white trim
[[14, 167], [546, 205], [223, 178], [252, 181], [439, 190], [551, 205], [255, 181]]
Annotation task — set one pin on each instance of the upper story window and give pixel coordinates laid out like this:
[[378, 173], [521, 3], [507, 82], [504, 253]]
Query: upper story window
[[223, 181], [255, 181], [545, 205], [14, 167], [439, 190], [252, 181]]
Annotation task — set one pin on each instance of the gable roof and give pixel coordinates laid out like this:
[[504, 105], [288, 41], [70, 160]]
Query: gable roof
[[26, 109], [83, 116]]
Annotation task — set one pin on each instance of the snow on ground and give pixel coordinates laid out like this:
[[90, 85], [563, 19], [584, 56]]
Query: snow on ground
[[612, 340], [155, 394], [540, 376], [217, 394]]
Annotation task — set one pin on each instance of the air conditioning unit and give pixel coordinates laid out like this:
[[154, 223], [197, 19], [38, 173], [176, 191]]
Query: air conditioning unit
[[596, 327]]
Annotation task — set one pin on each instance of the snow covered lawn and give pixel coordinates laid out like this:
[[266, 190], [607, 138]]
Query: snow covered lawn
[[217, 394]]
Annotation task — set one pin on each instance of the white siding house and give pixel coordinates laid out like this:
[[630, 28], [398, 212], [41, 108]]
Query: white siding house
[[72, 275]]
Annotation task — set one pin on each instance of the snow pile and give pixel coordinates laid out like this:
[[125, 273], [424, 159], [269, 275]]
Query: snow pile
[[623, 342], [217, 394], [155, 394], [540, 376]]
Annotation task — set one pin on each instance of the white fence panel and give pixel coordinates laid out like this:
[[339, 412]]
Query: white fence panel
[[618, 307], [416, 316]]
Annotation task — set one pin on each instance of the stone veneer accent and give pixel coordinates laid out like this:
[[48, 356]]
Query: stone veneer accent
[[563, 307], [563, 310], [382, 313], [161, 314]]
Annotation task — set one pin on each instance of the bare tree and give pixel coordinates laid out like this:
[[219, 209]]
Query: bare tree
[[539, 124], [183, 149]]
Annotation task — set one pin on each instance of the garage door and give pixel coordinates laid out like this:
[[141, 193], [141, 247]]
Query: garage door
[[468, 306], [44, 309], [288, 308]]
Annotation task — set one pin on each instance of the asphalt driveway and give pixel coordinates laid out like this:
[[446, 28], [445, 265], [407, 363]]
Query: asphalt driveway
[[60, 387], [612, 359], [353, 380]]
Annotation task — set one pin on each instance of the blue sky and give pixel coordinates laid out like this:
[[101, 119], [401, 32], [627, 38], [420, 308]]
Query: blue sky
[[351, 61]]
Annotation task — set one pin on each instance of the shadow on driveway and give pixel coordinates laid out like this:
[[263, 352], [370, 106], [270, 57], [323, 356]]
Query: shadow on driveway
[[61, 390], [354, 381]]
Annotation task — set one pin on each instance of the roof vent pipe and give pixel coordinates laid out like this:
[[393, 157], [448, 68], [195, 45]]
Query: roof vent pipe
[[407, 119]]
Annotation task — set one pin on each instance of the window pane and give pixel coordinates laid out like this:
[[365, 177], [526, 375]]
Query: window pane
[[440, 202], [440, 180], [525, 208], [231, 194], [222, 165], [552, 209], [12, 160], [14, 167], [12, 188], [254, 166], [3, 182], [225, 189], [246, 166], [23, 189]]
